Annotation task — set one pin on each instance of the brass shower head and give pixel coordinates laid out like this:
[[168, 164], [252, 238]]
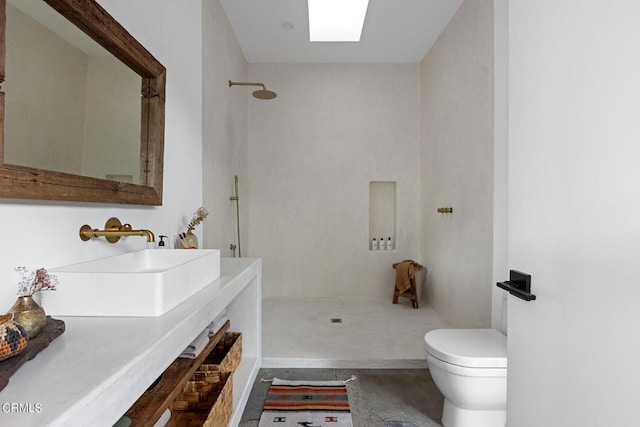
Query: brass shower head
[[260, 93]]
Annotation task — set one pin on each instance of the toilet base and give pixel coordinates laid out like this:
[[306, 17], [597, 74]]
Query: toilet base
[[453, 416]]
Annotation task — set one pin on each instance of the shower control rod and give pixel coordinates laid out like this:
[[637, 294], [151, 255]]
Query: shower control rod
[[237, 200]]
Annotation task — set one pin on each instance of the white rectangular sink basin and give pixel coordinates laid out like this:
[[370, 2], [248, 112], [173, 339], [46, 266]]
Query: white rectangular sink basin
[[145, 283]]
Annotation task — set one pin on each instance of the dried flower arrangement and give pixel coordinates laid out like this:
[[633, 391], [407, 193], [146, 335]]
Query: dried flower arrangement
[[198, 217], [35, 281]]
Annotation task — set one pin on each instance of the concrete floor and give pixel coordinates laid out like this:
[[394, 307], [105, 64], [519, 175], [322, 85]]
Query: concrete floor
[[381, 343], [378, 397], [372, 333]]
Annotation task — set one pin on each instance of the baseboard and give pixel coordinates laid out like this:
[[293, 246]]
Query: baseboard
[[343, 364]]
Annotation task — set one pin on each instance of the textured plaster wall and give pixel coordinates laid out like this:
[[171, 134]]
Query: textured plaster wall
[[456, 169], [225, 135], [312, 153]]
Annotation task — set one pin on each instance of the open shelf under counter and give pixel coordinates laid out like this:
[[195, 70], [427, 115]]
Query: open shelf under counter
[[151, 405], [94, 372]]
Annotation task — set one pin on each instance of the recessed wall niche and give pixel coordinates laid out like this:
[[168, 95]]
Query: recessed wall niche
[[382, 213]]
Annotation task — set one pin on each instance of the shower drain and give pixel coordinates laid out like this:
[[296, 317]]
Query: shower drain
[[336, 320]]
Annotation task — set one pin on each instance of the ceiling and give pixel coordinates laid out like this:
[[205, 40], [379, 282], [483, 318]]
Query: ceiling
[[395, 31]]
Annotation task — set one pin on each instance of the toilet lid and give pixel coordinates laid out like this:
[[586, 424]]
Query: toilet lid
[[473, 348]]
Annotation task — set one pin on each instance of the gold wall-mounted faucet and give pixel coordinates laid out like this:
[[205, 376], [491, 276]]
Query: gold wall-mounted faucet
[[113, 230]]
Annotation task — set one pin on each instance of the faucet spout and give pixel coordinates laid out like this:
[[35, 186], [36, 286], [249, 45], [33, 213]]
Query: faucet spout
[[113, 231]]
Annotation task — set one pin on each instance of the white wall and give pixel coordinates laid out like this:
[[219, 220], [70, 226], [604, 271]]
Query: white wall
[[574, 206], [225, 122], [37, 233], [312, 153], [457, 166]]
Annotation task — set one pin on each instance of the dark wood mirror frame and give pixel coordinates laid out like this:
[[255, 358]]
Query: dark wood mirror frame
[[30, 183]]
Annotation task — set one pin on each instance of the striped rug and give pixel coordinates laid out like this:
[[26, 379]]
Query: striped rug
[[307, 404]]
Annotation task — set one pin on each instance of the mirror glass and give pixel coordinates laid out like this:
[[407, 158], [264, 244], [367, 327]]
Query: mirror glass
[[70, 106], [81, 106]]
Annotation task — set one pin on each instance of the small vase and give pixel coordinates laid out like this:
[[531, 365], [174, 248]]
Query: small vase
[[28, 314], [13, 337], [192, 240]]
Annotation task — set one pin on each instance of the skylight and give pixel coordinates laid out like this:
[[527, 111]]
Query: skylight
[[336, 20]]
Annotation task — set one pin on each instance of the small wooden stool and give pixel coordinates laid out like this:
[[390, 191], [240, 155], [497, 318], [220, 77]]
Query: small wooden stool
[[412, 292]]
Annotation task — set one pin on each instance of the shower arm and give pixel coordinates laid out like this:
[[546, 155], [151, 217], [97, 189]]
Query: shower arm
[[246, 84], [263, 93]]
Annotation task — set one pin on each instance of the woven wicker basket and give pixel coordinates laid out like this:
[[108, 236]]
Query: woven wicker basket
[[205, 400], [226, 356]]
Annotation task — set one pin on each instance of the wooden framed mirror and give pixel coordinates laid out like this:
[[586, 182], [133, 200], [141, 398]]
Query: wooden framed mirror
[[28, 182]]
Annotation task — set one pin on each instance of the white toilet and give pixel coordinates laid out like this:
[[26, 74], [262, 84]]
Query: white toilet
[[469, 366]]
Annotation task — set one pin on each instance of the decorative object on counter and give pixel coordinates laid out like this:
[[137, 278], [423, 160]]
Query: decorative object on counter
[[13, 337], [28, 314], [35, 281], [53, 329], [198, 217], [188, 239], [26, 311]]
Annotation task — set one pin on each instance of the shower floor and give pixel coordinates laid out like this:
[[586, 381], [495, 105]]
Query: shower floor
[[345, 333]]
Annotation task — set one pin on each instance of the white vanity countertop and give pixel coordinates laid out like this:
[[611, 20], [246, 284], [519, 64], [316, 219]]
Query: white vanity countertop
[[92, 373]]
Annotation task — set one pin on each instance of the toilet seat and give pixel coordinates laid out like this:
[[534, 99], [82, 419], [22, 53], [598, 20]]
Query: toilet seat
[[470, 348]]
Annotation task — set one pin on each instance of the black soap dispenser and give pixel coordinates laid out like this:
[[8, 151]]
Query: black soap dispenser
[[161, 242]]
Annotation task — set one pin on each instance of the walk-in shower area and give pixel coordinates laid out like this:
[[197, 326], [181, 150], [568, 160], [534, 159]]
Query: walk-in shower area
[[345, 333]]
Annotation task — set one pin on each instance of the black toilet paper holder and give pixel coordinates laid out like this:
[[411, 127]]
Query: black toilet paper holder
[[518, 285]]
